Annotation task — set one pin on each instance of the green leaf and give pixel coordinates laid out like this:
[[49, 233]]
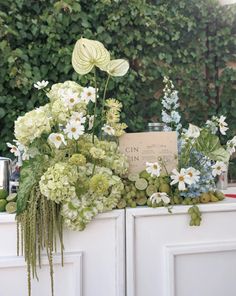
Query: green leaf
[[30, 174], [209, 145]]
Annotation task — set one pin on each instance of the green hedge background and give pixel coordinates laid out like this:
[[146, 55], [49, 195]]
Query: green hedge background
[[191, 41]]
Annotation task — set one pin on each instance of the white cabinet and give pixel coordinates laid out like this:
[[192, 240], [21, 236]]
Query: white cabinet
[[163, 255], [94, 261], [166, 257]]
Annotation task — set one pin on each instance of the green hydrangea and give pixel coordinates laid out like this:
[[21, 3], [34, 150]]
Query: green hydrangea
[[99, 184], [58, 182], [103, 193], [97, 153], [77, 159]]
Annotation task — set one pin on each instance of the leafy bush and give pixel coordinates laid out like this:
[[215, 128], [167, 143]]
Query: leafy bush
[[191, 41]]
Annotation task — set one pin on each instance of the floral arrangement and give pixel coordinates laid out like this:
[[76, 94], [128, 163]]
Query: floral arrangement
[[72, 169], [69, 171], [201, 157]]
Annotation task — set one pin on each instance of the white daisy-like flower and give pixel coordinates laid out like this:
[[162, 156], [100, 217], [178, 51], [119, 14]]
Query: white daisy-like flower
[[193, 174], [153, 168], [74, 130], [41, 84], [90, 121], [78, 117], [193, 131], [108, 130], [160, 196], [57, 139], [223, 126], [218, 168], [230, 145], [14, 149], [70, 98], [88, 94], [182, 178]]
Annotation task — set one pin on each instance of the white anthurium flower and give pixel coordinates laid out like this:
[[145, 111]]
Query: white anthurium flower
[[78, 117], [90, 121], [193, 131], [193, 174], [117, 67], [88, 94], [182, 178], [153, 168], [218, 168], [57, 139], [89, 53], [74, 130], [108, 130], [14, 149], [160, 196], [70, 98], [41, 84], [223, 126]]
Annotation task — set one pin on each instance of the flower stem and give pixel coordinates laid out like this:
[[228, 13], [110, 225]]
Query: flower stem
[[104, 94], [94, 166], [95, 105]]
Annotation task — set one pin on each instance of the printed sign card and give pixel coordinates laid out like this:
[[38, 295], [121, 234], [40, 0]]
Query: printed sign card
[[148, 147]]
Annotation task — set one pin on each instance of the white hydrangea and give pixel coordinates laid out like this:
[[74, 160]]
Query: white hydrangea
[[58, 89], [33, 124]]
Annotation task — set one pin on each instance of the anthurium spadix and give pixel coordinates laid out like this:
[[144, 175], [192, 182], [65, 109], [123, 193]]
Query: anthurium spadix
[[89, 53], [117, 67]]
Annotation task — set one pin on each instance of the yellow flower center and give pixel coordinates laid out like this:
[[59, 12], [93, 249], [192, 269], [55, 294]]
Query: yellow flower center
[[73, 129], [155, 167], [190, 174], [58, 138], [218, 168], [72, 100], [89, 94], [181, 178]]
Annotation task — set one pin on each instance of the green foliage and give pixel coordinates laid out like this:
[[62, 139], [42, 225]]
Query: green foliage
[[191, 41], [31, 172], [209, 145]]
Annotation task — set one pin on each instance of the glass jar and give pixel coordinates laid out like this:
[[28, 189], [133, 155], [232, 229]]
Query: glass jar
[[156, 127]]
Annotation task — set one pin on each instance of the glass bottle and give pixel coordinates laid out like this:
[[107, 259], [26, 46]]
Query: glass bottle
[[156, 127]]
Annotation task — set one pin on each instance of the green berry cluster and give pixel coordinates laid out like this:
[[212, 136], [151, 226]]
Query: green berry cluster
[[195, 215]]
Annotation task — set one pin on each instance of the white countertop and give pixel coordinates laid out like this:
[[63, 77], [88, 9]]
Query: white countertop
[[213, 206]]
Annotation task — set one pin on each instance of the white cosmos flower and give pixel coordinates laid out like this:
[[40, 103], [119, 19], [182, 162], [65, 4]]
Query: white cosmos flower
[[74, 130], [223, 125], [182, 178], [57, 139], [230, 145], [218, 168], [108, 130], [153, 168], [193, 131], [90, 121], [78, 117], [193, 174], [41, 84], [70, 98], [160, 196], [14, 149], [88, 94]]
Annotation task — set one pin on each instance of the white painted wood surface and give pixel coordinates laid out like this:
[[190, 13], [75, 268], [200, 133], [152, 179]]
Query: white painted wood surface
[[166, 257], [94, 261], [163, 255]]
